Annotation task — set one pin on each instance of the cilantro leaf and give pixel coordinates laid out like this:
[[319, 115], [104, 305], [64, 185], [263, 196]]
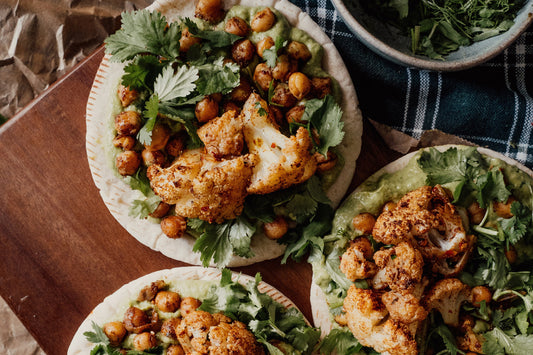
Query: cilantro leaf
[[517, 227], [217, 77], [144, 32], [447, 338], [169, 85], [212, 39], [142, 72], [97, 336], [143, 208], [139, 181], [498, 342], [341, 342], [491, 186], [270, 55]]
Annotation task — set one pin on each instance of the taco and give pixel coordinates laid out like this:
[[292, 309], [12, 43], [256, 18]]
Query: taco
[[433, 253], [194, 310], [216, 139]]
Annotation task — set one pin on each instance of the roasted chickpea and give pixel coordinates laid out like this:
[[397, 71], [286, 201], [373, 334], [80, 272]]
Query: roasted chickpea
[[299, 85], [284, 68], [320, 87], [241, 93], [265, 43], [128, 123], [115, 332], [325, 163], [237, 26], [135, 320], [388, 207], [173, 226], [511, 255], [160, 136], [277, 114], [187, 40], [475, 212], [189, 304], [231, 106], [503, 209], [206, 109], [127, 95], [175, 350], [263, 20], [479, 294], [243, 52], [263, 76], [364, 223], [217, 97], [144, 341], [298, 51], [128, 162], [151, 157], [283, 97], [124, 142], [209, 10], [168, 328], [161, 210], [175, 145], [294, 115], [277, 228], [167, 301]]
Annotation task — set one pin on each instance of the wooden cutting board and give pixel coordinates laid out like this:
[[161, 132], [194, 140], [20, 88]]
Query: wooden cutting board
[[61, 251]]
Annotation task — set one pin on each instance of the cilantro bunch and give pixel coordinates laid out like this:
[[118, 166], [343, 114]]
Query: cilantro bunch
[[439, 27]]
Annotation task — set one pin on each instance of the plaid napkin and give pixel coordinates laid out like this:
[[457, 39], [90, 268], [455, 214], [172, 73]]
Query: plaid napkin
[[490, 105]]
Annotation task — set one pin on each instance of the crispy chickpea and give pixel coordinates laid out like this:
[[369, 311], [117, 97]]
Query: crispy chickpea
[[175, 145], [298, 51], [284, 68], [299, 85], [320, 87], [294, 115], [189, 304], [161, 210], [175, 350], [144, 341], [237, 26], [127, 95], [231, 106], [167, 301], [277, 228], [263, 20], [160, 136], [277, 114], [128, 123], [325, 163], [168, 328], [476, 213], [243, 52], [173, 226], [241, 93], [263, 76], [128, 162], [479, 294], [115, 332], [265, 43], [187, 40], [206, 109], [124, 142], [151, 157], [135, 320], [283, 97], [503, 209], [511, 255], [209, 10], [388, 207], [364, 223]]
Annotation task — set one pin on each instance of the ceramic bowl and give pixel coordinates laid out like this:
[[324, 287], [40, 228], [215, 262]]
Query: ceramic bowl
[[388, 42]]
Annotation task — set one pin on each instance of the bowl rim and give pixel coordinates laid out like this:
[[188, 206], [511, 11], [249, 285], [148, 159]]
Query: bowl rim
[[413, 61]]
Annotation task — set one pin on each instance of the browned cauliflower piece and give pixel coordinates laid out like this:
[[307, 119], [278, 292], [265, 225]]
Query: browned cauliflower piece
[[469, 340], [222, 136], [446, 296], [426, 218], [202, 187], [368, 320], [400, 268], [404, 306], [354, 262], [201, 333], [282, 161]]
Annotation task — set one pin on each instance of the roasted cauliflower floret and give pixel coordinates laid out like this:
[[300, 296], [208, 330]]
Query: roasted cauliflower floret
[[222, 136], [200, 333], [368, 320], [202, 187], [404, 306], [400, 267], [446, 296], [354, 262], [469, 340], [282, 161], [426, 218]]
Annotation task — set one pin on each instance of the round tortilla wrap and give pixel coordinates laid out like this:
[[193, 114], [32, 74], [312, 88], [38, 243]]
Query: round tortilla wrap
[[118, 196], [322, 317], [119, 300]]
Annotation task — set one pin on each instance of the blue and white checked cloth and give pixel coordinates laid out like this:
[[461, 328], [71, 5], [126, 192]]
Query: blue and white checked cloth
[[490, 105]]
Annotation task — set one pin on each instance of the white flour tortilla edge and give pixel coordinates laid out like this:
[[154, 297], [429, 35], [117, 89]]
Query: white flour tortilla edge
[[117, 195], [319, 307], [109, 306]]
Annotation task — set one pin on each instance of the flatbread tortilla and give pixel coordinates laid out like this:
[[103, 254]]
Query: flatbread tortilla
[[118, 196], [119, 300], [322, 317]]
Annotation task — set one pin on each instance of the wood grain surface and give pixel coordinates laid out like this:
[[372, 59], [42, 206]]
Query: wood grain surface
[[61, 251]]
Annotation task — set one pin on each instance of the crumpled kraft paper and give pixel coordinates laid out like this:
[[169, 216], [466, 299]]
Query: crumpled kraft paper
[[40, 40]]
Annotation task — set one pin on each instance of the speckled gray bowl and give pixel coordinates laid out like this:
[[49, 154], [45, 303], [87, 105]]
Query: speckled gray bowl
[[388, 42]]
